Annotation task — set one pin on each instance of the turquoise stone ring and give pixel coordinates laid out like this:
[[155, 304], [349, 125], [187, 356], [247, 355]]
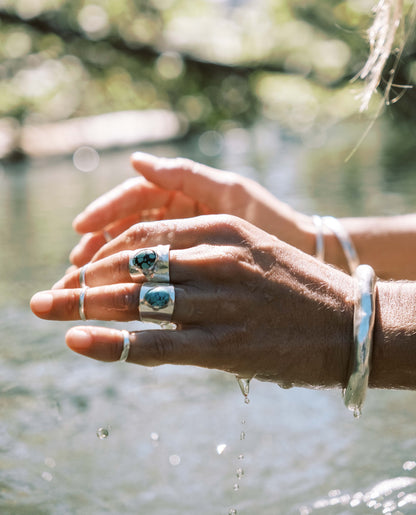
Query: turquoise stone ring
[[156, 302], [150, 264]]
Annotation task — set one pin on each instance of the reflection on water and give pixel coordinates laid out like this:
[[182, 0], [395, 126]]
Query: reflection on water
[[170, 439]]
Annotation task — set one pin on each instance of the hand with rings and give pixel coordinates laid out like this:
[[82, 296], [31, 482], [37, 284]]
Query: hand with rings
[[181, 188], [238, 302]]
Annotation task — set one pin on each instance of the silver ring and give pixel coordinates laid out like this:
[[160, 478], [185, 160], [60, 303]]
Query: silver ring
[[81, 304], [82, 282], [107, 236], [126, 346], [150, 263], [157, 302]]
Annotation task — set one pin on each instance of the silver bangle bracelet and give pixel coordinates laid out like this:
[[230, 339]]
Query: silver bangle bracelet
[[320, 242], [343, 237], [364, 314]]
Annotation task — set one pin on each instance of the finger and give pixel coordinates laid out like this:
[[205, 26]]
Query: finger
[[132, 196], [92, 242], [201, 263], [192, 346], [120, 302], [206, 185], [180, 234], [111, 270]]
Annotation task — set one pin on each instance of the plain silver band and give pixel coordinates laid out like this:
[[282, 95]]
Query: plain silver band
[[364, 314], [82, 272], [343, 237], [159, 272], [126, 346], [152, 313], [320, 243], [81, 304]]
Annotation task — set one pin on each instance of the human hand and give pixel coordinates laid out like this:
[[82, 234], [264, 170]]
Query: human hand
[[246, 303], [181, 188]]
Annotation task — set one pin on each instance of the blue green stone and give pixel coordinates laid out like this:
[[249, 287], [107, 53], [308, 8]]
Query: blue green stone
[[145, 259], [157, 299]]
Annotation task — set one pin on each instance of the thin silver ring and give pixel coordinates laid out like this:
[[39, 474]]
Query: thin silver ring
[[126, 346], [157, 302], [82, 272], [81, 304], [152, 264], [107, 236], [320, 243]]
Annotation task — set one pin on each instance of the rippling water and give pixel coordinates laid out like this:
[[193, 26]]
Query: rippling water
[[79, 436]]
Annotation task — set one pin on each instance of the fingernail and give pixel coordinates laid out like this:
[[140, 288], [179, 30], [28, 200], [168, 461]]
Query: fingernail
[[78, 340], [42, 302]]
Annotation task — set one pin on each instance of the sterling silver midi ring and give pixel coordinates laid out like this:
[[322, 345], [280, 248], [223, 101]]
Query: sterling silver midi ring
[[81, 304], [157, 302], [150, 263], [126, 345], [82, 272]]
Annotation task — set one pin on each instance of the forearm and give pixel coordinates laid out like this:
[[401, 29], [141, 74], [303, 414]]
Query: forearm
[[394, 342]]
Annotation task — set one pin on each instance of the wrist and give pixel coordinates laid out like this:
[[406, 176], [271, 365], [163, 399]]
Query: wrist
[[394, 356]]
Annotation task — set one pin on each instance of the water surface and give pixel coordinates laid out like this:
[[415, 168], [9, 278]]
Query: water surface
[[160, 429]]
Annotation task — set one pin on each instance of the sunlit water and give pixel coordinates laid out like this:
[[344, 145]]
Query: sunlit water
[[79, 436]]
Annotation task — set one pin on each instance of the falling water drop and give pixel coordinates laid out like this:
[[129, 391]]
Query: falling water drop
[[242, 435], [236, 487], [241, 457], [232, 511], [239, 473], [244, 385], [221, 448], [154, 437], [102, 433]]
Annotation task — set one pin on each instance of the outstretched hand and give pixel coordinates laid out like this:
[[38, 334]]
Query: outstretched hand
[[181, 188], [246, 303]]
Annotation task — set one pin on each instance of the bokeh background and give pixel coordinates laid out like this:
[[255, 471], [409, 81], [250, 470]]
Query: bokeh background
[[264, 88]]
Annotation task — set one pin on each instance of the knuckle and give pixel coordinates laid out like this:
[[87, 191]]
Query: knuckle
[[162, 348], [127, 299], [122, 263]]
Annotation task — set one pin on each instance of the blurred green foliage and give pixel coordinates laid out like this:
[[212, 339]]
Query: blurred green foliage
[[214, 62]]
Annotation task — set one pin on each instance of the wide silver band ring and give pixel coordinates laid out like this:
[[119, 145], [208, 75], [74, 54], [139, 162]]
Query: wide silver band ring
[[152, 264], [82, 315], [157, 302], [126, 346], [82, 272]]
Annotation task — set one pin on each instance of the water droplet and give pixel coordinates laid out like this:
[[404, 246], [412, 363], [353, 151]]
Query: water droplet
[[47, 476], [246, 400], [232, 511], [239, 473], [409, 465], [236, 487], [241, 457], [221, 448], [243, 421], [242, 435], [154, 437], [244, 385], [174, 460], [102, 433]]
